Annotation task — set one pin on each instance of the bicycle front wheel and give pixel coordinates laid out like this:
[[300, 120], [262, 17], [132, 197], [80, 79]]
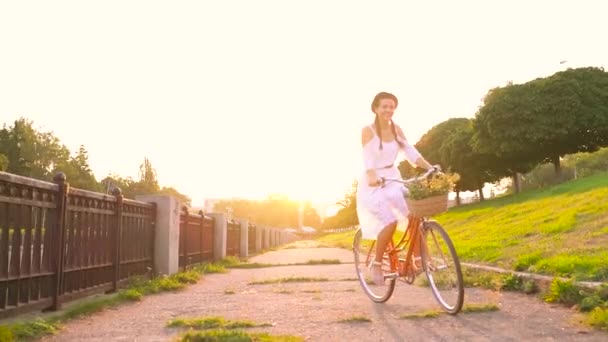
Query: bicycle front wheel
[[364, 255], [442, 267]]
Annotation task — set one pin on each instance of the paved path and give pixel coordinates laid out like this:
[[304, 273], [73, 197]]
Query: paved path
[[313, 310]]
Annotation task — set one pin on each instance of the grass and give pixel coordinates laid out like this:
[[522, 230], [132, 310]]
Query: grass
[[288, 280], [469, 308], [235, 336], [340, 240], [282, 291], [425, 314], [558, 231], [598, 318], [480, 308], [496, 281], [213, 323], [137, 288], [323, 262], [216, 328], [355, 319]]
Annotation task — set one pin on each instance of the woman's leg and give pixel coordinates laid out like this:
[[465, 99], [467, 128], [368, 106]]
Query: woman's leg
[[383, 239]]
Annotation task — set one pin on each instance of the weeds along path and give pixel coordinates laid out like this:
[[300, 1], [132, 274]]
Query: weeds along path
[[325, 303]]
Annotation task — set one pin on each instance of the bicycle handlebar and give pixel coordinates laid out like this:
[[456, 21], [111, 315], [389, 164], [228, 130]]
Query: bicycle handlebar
[[426, 175]]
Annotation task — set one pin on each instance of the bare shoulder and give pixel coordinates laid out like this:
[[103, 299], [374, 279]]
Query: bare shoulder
[[366, 135]]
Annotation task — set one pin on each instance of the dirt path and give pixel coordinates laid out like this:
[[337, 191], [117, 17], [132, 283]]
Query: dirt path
[[312, 310]]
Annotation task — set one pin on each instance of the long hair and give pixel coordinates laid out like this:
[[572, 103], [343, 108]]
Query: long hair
[[375, 103]]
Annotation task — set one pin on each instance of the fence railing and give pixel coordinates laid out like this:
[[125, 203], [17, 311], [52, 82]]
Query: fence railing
[[233, 238], [58, 243], [196, 238]]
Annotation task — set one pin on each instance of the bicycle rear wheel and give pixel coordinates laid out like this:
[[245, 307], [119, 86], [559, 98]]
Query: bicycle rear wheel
[[442, 267], [363, 258]]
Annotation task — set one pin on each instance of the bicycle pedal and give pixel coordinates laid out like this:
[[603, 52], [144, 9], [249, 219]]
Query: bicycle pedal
[[391, 276]]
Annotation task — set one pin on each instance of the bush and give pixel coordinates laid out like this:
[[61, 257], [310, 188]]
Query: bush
[[544, 176], [563, 292], [131, 294], [588, 164], [590, 303], [5, 334], [599, 318]]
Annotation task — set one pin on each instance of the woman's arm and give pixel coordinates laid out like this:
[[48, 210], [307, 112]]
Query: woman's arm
[[411, 153], [368, 159]]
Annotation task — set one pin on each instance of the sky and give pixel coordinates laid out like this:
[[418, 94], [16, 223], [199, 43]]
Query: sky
[[250, 98]]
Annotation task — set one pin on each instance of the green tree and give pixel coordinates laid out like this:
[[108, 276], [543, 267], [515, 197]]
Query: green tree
[[310, 216], [276, 211], [347, 214], [113, 181], [3, 162], [187, 201], [31, 153], [544, 119], [147, 183], [78, 171], [449, 144]]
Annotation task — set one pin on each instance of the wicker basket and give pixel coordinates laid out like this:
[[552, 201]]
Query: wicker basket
[[428, 206]]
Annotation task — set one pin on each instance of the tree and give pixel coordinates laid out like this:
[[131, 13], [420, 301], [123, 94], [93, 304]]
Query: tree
[[475, 169], [449, 144], [31, 153], [113, 181], [347, 214], [173, 192], [544, 119], [78, 172], [310, 216], [3, 162], [148, 182], [276, 211]]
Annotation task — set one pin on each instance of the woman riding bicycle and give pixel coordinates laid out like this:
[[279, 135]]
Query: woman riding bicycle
[[379, 209]]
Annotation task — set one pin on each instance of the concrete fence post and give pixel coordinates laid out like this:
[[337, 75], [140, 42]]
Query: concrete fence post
[[220, 235], [244, 251], [166, 233]]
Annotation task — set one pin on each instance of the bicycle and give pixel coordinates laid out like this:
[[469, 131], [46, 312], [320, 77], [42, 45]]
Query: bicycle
[[424, 247]]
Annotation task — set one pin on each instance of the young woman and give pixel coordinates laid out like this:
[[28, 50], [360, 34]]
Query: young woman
[[380, 208]]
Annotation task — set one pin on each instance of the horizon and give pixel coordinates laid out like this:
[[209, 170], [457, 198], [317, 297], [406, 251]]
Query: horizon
[[252, 103]]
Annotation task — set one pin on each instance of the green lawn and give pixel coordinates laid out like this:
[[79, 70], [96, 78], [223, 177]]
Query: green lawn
[[558, 231]]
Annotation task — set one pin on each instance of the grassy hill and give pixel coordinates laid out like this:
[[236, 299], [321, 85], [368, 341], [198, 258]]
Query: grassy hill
[[559, 231]]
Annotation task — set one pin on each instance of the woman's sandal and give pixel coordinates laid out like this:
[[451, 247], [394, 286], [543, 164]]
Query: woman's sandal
[[377, 274]]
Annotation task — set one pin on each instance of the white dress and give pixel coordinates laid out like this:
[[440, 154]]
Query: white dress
[[378, 207]]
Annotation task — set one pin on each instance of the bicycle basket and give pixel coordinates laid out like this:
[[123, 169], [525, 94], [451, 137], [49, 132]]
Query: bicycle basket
[[428, 206]]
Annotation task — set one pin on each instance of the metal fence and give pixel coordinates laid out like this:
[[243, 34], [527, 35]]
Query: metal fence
[[58, 243], [196, 238]]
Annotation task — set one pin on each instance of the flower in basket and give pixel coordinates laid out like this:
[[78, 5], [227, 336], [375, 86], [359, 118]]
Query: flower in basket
[[429, 197], [438, 184]]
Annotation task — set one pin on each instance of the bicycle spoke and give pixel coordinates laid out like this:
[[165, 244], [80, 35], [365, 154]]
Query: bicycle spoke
[[443, 268], [364, 256]]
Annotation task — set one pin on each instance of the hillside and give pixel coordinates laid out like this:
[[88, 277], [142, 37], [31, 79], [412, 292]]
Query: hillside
[[562, 230]]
